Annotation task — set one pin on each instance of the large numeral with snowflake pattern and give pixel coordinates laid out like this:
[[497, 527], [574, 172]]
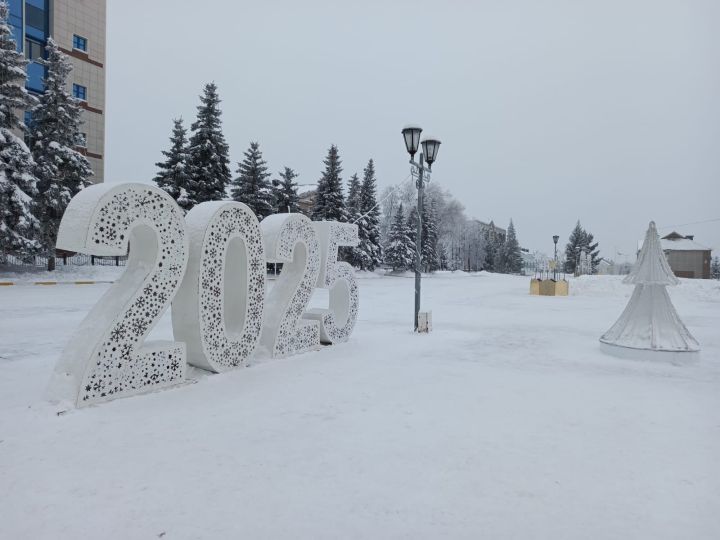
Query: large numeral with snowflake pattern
[[337, 322], [290, 239], [219, 310], [108, 357]]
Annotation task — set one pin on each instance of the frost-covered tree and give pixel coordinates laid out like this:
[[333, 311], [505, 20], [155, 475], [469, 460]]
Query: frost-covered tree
[[285, 192], [715, 268], [329, 198], [473, 247], [510, 256], [19, 228], [252, 186], [173, 173], [60, 169], [580, 240], [443, 260], [400, 249], [209, 165], [493, 243]]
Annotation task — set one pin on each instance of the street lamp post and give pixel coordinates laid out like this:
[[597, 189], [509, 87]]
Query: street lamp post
[[430, 147], [555, 239]]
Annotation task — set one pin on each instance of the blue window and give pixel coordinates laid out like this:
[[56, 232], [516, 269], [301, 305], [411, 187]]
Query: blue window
[[35, 77], [28, 118], [37, 20], [79, 43], [16, 22], [80, 92], [34, 50]]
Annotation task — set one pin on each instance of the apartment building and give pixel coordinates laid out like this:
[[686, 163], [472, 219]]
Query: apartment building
[[78, 27]]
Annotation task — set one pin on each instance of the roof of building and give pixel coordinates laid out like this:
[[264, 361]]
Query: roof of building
[[683, 244], [677, 242], [487, 226]]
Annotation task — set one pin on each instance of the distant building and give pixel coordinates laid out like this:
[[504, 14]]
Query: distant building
[[687, 258], [306, 201], [529, 262], [78, 27], [491, 229], [604, 267]]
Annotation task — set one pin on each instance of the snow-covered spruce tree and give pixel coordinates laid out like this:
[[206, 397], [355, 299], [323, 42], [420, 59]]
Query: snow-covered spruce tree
[[592, 251], [430, 260], [400, 249], [252, 186], [573, 248], [173, 173], [208, 162], [580, 240], [352, 204], [19, 228], [329, 200], [353, 209], [369, 249], [285, 192], [510, 256], [61, 170], [715, 268]]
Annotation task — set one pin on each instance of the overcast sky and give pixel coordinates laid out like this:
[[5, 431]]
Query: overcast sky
[[607, 111]]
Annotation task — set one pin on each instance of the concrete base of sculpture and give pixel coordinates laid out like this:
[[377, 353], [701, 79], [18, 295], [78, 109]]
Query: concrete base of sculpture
[[672, 357], [549, 287]]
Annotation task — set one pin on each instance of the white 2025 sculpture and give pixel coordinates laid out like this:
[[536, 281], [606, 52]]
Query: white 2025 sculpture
[[214, 261]]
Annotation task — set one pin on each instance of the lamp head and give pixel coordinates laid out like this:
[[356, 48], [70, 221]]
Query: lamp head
[[430, 146], [411, 134]]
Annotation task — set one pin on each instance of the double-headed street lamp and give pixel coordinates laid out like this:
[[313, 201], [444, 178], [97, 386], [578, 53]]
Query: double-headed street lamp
[[430, 147]]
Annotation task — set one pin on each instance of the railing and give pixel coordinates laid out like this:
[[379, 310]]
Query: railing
[[78, 259]]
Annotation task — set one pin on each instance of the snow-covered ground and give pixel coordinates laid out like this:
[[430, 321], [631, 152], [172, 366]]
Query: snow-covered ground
[[506, 422], [29, 275]]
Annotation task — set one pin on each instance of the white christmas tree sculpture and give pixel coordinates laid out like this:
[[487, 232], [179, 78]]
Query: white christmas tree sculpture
[[650, 323]]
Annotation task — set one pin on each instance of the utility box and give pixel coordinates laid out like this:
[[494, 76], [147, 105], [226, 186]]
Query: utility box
[[425, 322]]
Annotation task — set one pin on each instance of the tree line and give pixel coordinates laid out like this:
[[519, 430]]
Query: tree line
[[41, 165], [450, 241], [196, 169]]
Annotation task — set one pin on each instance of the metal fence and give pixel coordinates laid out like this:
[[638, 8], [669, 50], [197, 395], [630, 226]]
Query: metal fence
[[78, 259]]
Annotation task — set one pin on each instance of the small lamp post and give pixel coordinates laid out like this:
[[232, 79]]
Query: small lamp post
[[555, 240], [430, 147]]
